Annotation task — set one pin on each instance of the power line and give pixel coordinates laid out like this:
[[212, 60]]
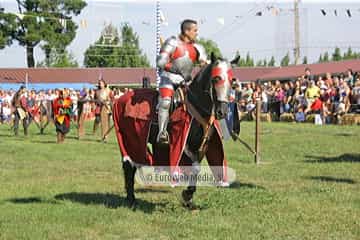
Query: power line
[[229, 27]]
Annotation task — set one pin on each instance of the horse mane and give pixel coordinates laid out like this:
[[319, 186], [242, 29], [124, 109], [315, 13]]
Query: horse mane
[[203, 70], [199, 90]]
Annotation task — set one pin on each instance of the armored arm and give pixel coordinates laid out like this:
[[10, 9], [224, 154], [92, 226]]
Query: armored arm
[[163, 59]]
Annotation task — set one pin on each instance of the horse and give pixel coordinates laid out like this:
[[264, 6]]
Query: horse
[[194, 130]]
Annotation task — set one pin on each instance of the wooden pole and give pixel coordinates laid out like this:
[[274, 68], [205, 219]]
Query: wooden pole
[[297, 32], [257, 131]]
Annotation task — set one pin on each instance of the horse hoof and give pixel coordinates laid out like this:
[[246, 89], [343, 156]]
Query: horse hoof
[[191, 206], [187, 201]]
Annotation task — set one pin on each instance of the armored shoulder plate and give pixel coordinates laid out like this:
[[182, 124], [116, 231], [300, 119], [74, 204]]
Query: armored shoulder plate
[[202, 53]]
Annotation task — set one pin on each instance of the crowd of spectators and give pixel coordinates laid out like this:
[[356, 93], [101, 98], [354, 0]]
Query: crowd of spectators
[[328, 97]]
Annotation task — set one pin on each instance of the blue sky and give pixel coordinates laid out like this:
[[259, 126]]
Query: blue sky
[[233, 25]]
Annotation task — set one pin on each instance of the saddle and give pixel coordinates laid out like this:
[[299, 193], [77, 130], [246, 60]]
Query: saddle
[[143, 106]]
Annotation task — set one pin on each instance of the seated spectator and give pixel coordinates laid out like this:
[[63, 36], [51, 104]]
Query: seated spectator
[[312, 92], [356, 97], [6, 113], [300, 115], [327, 115]]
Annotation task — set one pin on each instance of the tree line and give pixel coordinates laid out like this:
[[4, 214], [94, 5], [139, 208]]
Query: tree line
[[50, 25]]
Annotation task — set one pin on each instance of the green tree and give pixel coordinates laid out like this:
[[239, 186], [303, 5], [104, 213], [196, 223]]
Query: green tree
[[111, 50], [321, 59], [272, 62], [105, 52], [7, 25], [305, 60], [326, 57], [210, 47], [241, 62], [285, 60], [265, 63], [259, 63], [46, 22], [350, 54], [59, 59], [249, 62], [336, 56]]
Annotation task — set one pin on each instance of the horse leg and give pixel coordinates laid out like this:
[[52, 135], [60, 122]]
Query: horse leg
[[129, 174], [188, 193]]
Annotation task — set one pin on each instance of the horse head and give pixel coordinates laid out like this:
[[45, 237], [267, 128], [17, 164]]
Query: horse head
[[212, 86]]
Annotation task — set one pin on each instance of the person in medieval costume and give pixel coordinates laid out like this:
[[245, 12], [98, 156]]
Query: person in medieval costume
[[62, 113], [176, 61], [83, 100], [21, 110], [103, 111]]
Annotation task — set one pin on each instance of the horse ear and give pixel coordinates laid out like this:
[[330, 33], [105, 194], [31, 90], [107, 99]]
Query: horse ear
[[212, 57], [235, 61]]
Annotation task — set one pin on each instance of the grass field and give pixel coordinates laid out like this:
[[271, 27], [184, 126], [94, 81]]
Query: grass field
[[308, 187]]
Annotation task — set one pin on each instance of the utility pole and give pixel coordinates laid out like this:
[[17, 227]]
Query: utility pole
[[297, 32]]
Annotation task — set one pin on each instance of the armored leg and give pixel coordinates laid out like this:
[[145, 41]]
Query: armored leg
[[163, 118]]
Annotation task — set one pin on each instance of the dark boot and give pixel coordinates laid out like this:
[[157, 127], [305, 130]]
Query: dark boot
[[95, 127], [58, 137]]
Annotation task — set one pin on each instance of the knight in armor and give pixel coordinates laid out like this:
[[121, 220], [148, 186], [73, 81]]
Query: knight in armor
[[103, 111], [176, 62], [21, 110]]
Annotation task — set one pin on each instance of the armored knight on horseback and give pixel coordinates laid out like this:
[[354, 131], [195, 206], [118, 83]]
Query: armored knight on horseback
[[176, 62]]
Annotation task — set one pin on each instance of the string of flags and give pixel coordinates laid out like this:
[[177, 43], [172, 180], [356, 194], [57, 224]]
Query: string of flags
[[275, 11], [325, 12]]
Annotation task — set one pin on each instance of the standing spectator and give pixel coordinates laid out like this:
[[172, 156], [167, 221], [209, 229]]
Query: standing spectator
[[117, 93], [279, 98], [328, 80], [74, 100], [289, 92], [264, 99], [349, 77], [308, 75]]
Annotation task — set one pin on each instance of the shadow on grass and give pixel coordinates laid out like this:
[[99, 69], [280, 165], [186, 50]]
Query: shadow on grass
[[108, 200], [7, 135], [348, 157], [239, 185], [44, 141], [29, 200], [332, 179], [151, 190], [344, 134]]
